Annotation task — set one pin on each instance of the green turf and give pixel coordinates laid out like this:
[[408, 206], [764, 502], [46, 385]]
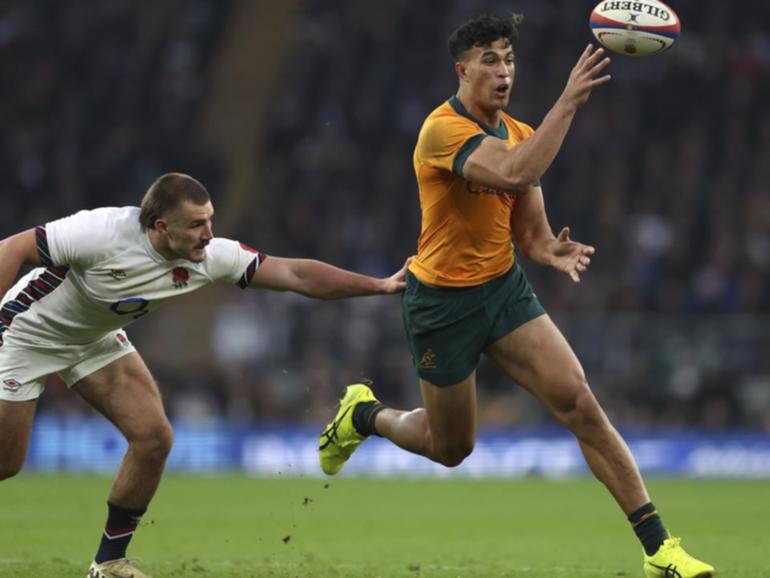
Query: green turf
[[314, 528]]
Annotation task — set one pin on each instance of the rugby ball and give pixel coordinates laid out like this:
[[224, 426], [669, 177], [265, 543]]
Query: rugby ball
[[635, 28]]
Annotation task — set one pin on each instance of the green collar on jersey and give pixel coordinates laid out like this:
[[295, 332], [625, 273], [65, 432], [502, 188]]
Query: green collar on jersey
[[500, 132]]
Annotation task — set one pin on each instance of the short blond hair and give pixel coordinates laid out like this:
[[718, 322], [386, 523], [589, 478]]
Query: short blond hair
[[168, 192]]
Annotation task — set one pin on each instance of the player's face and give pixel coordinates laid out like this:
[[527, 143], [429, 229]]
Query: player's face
[[490, 70], [188, 231]]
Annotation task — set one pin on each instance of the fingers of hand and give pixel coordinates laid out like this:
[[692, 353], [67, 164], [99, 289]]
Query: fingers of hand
[[584, 85], [574, 276], [589, 75], [598, 67], [396, 287], [590, 64], [583, 58], [581, 263], [594, 57]]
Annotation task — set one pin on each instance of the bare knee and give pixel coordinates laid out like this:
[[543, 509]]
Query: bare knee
[[12, 455], [452, 454], [16, 427], [578, 409], [153, 443], [10, 468]]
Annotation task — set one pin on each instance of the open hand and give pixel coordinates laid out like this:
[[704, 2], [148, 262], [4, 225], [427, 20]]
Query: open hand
[[570, 256], [585, 76]]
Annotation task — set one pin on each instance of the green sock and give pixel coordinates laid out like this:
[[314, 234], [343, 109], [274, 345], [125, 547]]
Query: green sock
[[648, 528], [363, 417]]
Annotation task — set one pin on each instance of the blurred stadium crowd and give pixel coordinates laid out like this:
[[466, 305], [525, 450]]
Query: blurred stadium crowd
[[666, 171]]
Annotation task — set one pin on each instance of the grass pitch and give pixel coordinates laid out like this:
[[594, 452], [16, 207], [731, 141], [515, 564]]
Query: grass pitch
[[234, 526]]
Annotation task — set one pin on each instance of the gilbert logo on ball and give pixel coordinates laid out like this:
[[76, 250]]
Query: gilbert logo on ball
[[635, 28]]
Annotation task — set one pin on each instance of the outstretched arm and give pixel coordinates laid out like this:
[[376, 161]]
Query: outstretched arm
[[321, 280], [16, 251], [536, 240], [496, 164]]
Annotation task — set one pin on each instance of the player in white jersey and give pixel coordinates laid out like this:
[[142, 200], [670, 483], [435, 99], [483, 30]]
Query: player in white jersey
[[98, 271]]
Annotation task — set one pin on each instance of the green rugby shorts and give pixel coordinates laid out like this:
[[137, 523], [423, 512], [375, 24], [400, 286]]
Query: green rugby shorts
[[448, 327]]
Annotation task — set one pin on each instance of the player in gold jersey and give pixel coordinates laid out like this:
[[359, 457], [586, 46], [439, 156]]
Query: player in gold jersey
[[478, 172]]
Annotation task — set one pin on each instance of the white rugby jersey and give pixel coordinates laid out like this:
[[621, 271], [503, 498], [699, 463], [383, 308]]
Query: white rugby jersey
[[101, 273]]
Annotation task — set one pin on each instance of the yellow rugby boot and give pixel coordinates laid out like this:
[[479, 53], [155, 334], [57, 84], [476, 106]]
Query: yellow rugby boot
[[340, 438], [671, 561]]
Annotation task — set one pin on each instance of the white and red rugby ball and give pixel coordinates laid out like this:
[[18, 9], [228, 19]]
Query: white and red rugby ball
[[634, 28]]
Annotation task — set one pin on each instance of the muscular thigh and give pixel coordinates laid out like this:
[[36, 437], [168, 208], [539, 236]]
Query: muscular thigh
[[125, 393], [537, 356], [22, 378], [451, 410]]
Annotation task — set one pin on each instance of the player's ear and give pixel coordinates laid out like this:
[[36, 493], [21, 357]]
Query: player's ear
[[161, 225], [461, 70]]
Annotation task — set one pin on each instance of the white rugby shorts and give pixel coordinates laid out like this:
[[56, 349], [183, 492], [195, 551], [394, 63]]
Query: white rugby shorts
[[24, 367]]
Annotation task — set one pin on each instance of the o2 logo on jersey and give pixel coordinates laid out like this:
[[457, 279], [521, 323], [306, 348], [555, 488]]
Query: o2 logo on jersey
[[135, 306]]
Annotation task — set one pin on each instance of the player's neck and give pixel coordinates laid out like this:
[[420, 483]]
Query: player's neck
[[159, 246], [490, 117]]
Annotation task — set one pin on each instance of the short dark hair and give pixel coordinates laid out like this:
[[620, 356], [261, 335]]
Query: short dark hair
[[168, 192], [483, 31]]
